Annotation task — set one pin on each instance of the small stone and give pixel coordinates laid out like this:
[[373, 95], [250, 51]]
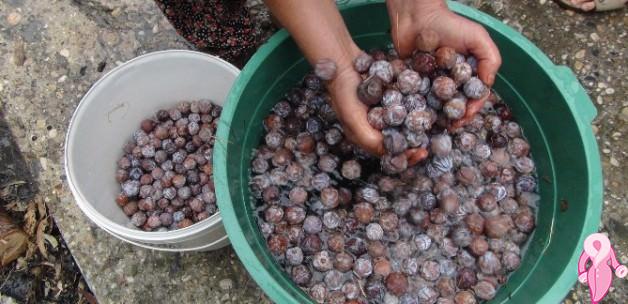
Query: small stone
[[578, 65], [599, 100], [52, 133], [614, 162], [116, 12], [595, 36], [111, 38], [606, 151], [44, 163], [624, 115], [14, 18], [580, 54], [609, 91], [62, 79], [65, 53], [19, 54], [225, 284]]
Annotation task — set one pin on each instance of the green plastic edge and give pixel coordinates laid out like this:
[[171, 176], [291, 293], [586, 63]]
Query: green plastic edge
[[577, 100], [236, 236], [580, 104]]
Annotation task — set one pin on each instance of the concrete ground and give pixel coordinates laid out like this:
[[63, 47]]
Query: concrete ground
[[52, 51]]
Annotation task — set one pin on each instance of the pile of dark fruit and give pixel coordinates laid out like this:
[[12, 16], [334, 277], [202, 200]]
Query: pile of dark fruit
[[166, 172], [447, 227]]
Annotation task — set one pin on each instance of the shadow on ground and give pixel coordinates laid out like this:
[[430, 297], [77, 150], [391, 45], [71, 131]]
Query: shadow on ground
[[35, 276]]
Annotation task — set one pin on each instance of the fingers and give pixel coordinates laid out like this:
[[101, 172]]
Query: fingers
[[416, 155], [359, 131], [403, 43], [352, 113], [484, 49], [404, 40], [371, 141]]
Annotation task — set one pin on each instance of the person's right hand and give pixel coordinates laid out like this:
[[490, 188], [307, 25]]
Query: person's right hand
[[409, 18], [351, 112]]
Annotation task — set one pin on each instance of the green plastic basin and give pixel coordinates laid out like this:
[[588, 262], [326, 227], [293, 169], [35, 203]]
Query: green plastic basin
[[546, 99]]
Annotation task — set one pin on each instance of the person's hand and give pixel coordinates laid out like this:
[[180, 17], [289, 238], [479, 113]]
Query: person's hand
[[351, 112], [321, 34], [409, 17]]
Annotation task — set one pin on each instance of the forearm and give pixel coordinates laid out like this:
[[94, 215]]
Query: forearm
[[318, 29], [411, 5], [429, 9]]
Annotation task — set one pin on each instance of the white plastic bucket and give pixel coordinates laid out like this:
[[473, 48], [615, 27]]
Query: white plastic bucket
[[106, 118]]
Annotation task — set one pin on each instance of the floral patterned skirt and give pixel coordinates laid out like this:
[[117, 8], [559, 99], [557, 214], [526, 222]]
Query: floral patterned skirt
[[219, 27]]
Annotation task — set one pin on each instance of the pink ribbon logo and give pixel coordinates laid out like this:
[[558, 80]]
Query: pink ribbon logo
[[599, 275]]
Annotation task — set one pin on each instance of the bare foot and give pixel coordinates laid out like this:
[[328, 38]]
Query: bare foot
[[585, 5]]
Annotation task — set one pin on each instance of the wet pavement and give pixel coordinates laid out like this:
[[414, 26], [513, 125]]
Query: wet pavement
[[51, 52]]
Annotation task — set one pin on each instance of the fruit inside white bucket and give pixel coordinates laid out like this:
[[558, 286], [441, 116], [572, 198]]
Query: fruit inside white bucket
[[107, 117]]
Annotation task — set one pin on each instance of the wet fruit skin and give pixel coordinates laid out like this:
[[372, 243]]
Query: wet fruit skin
[[409, 81], [445, 57], [397, 283], [466, 278], [382, 70], [440, 207], [371, 90], [165, 168], [424, 63], [325, 69], [444, 87], [363, 62], [461, 73]]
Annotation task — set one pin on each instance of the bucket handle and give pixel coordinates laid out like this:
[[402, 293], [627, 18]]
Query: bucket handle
[[576, 96]]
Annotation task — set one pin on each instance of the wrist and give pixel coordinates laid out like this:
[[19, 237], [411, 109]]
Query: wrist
[[419, 13], [432, 4], [342, 53], [339, 48], [343, 58], [431, 11]]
